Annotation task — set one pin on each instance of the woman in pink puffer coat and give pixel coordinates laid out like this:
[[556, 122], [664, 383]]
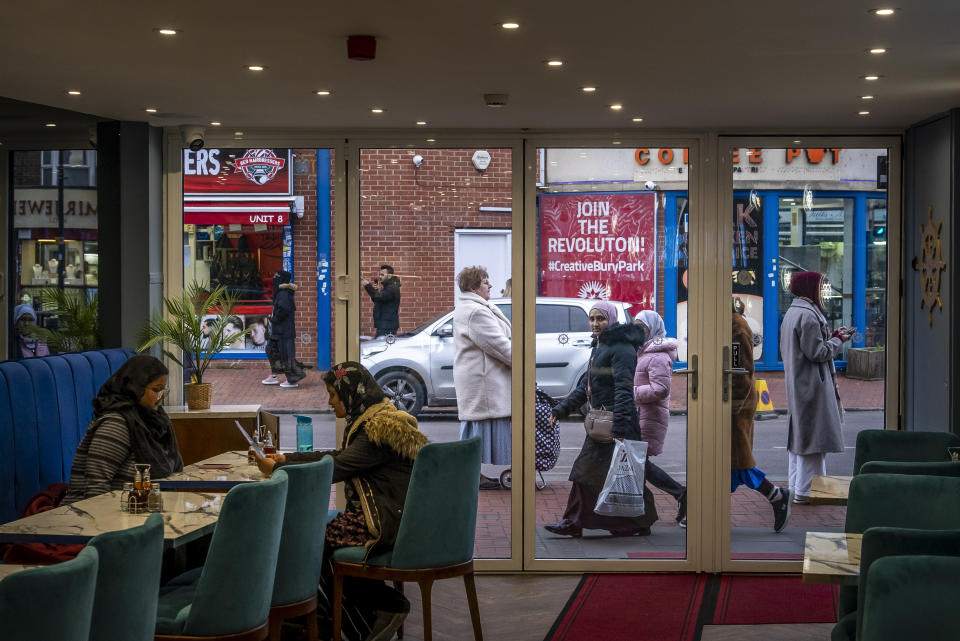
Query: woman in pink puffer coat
[[651, 393]]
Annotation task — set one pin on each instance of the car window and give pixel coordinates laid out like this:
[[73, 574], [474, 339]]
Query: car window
[[507, 310], [552, 319], [579, 321], [423, 326]]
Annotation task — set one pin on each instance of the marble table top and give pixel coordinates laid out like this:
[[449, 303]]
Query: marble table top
[[832, 557], [186, 516], [196, 476], [215, 411], [830, 490], [6, 569]]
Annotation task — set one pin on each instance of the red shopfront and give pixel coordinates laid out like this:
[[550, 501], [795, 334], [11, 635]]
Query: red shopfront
[[237, 209]]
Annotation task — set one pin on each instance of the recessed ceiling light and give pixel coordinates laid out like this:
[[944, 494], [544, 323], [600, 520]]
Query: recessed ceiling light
[[510, 25], [256, 67], [322, 92], [238, 134], [873, 76], [421, 123], [615, 142], [877, 50], [150, 110], [167, 31], [638, 120], [50, 124], [863, 113], [867, 97], [616, 106], [554, 63], [884, 12], [214, 124], [431, 140], [376, 110], [797, 142], [588, 89], [73, 92]]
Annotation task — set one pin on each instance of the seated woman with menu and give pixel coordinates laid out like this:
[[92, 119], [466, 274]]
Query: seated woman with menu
[[128, 427]]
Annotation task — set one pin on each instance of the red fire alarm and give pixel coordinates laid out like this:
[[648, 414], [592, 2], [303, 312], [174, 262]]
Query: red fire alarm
[[361, 47]]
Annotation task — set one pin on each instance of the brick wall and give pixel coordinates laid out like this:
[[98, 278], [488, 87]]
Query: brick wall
[[305, 254], [408, 217]]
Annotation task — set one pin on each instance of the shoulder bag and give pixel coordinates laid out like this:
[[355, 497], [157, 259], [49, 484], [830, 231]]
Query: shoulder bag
[[598, 423]]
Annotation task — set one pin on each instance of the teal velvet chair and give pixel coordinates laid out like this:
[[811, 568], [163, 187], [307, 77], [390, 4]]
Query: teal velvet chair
[[912, 597], [128, 582], [893, 445], [301, 545], [435, 540], [882, 542], [229, 597], [50, 602], [900, 501], [935, 468]]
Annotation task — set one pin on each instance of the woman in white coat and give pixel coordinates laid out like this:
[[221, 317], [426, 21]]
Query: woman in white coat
[[481, 369], [808, 348]]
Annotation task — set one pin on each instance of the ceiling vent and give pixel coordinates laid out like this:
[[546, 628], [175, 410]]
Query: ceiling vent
[[361, 47], [496, 99]]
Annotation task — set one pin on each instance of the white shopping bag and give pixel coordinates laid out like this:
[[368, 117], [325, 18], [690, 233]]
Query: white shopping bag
[[622, 493]]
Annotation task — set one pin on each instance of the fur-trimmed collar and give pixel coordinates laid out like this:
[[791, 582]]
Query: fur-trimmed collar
[[623, 333], [386, 425], [291, 286]]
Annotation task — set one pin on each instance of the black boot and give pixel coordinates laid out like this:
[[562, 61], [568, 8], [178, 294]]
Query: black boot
[[565, 528]]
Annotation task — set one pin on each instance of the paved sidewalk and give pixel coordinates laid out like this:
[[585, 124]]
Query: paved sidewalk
[[238, 382]]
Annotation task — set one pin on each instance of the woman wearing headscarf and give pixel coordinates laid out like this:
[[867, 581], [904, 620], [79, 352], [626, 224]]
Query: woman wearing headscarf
[[808, 348], [375, 461], [25, 317], [129, 426], [283, 333], [651, 393], [607, 385]]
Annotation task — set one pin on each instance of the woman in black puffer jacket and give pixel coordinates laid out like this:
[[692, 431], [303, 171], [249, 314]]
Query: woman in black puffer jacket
[[613, 362]]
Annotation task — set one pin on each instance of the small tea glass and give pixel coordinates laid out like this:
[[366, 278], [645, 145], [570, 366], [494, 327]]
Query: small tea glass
[[954, 453], [125, 497]]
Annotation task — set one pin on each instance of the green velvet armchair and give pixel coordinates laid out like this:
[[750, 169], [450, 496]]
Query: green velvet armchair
[[128, 582], [925, 468], [912, 597], [436, 535], [50, 602], [893, 445]]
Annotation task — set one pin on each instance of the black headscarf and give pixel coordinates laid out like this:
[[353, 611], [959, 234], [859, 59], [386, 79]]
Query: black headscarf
[[356, 387], [151, 433]]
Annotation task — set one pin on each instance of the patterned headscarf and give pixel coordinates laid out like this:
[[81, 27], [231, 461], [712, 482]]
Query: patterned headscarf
[[608, 309], [653, 322], [355, 386]]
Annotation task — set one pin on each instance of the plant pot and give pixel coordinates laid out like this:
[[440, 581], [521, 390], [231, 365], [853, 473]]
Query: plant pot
[[866, 363], [198, 395]]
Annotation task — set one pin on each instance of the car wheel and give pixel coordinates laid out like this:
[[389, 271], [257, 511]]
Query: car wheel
[[506, 479], [404, 390]]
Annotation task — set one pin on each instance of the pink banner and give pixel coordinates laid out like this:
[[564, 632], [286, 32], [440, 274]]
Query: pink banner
[[599, 246]]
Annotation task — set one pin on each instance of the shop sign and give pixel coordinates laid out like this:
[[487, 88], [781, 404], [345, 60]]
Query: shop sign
[[236, 212], [237, 172], [599, 246], [38, 209]]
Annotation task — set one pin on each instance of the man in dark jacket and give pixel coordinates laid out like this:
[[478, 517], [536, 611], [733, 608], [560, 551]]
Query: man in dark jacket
[[282, 329], [385, 294]]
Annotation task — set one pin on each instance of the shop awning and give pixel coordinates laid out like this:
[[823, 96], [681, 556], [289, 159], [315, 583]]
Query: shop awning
[[237, 212]]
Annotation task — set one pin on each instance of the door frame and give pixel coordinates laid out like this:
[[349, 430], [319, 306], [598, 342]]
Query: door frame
[[718, 497]]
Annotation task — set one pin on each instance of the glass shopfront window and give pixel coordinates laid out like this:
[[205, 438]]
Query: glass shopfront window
[[53, 235]]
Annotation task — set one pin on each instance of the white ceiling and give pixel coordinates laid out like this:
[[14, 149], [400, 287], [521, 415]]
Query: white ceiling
[[750, 65]]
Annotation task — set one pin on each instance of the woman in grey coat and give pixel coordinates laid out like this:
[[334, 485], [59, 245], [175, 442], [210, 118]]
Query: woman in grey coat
[[813, 403]]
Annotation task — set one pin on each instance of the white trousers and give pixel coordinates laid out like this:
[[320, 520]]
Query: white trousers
[[802, 469]]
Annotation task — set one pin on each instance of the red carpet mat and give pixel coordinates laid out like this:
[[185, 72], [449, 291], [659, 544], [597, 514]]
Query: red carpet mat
[[675, 607]]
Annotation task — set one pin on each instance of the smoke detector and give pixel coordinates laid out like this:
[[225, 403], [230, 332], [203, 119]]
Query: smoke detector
[[496, 99]]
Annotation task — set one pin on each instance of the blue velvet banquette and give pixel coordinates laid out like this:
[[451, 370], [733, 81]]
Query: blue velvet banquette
[[45, 407]]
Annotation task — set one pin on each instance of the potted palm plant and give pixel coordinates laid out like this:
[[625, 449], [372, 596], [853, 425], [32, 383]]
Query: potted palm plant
[[191, 333], [77, 327]]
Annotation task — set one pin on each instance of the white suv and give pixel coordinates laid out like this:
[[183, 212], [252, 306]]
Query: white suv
[[416, 368]]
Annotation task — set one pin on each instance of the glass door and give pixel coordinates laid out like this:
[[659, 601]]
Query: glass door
[[806, 346], [609, 330]]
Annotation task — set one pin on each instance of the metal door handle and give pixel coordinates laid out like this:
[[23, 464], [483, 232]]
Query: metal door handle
[[691, 371], [343, 285], [729, 370]]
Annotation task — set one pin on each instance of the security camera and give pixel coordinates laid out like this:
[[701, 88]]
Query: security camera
[[649, 185], [192, 136], [417, 161]]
